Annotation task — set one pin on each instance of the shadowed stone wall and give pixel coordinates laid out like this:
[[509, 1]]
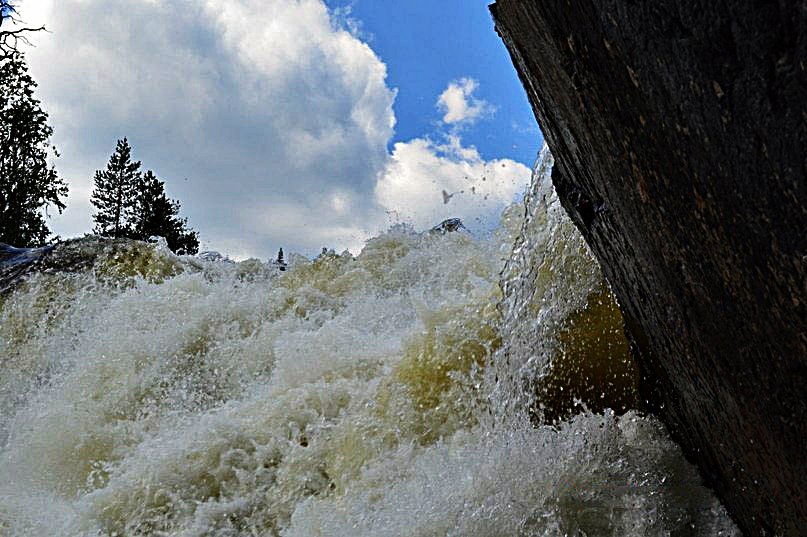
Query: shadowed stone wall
[[679, 130]]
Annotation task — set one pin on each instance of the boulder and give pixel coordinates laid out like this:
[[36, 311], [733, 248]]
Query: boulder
[[679, 131], [15, 263], [108, 260], [450, 225]]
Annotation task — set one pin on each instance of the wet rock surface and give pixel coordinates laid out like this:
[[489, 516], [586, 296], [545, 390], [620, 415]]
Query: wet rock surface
[[449, 225], [679, 133], [16, 262], [107, 258]]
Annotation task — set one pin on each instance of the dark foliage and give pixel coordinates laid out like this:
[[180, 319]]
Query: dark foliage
[[28, 183], [114, 194], [157, 215], [134, 205]]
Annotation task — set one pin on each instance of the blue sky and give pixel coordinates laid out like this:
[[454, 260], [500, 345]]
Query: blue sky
[[294, 123], [426, 43]]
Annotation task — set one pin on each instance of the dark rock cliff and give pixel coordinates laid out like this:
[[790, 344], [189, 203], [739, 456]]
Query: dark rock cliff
[[679, 131]]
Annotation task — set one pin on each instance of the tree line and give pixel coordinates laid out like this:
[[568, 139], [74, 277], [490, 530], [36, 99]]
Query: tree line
[[128, 202], [133, 204]]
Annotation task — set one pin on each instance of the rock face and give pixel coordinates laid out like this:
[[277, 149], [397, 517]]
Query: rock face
[[679, 131], [110, 260], [16, 263], [449, 225]]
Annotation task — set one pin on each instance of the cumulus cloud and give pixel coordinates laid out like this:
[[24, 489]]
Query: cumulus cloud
[[459, 104], [428, 182], [268, 119], [247, 99]]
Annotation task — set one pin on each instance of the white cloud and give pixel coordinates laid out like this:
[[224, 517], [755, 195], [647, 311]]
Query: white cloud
[[459, 104], [247, 99], [429, 182], [267, 119]]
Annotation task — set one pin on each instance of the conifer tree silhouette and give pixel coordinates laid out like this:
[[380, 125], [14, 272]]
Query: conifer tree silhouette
[[134, 205], [28, 182], [157, 215], [115, 193]]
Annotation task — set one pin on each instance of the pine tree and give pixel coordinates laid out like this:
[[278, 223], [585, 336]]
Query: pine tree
[[28, 184], [157, 215], [115, 193]]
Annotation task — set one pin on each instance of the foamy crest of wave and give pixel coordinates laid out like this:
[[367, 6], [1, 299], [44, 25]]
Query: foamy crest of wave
[[147, 394]]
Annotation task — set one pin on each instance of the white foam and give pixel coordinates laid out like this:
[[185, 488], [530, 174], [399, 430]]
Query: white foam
[[336, 398]]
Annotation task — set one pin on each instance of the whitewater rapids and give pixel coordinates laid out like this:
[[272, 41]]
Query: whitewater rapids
[[416, 389]]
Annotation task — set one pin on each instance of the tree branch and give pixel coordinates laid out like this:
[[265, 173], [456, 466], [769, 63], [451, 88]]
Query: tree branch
[[10, 39]]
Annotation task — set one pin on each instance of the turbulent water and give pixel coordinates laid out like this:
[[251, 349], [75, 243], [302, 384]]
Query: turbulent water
[[435, 384]]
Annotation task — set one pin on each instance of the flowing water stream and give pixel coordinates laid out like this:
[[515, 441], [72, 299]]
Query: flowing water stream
[[435, 384]]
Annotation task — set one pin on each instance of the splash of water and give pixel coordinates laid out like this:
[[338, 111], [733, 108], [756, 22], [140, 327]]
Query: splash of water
[[564, 345], [404, 391]]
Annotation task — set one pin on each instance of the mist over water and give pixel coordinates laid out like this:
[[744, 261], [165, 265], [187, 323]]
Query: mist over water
[[435, 384]]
